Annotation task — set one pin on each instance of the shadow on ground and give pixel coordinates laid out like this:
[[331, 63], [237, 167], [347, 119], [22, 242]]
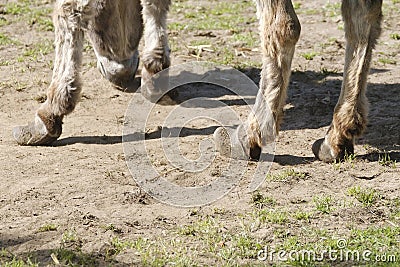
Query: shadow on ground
[[312, 97]]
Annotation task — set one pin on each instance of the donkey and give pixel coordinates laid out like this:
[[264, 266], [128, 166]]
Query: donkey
[[116, 26]]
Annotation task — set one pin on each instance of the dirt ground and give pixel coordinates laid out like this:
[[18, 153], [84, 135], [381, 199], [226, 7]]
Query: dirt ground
[[76, 202]]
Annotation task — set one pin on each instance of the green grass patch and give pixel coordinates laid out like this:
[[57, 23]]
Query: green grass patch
[[260, 201], [69, 236], [302, 216], [395, 36], [48, 228], [387, 61], [386, 161], [373, 246], [366, 196], [70, 257], [18, 86], [16, 8], [296, 5], [309, 56], [332, 9], [113, 228], [272, 216], [5, 40], [7, 259], [218, 16], [34, 13], [37, 51], [324, 203], [248, 39], [117, 246]]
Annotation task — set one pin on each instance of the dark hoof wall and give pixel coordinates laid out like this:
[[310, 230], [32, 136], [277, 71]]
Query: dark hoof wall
[[255, 153]]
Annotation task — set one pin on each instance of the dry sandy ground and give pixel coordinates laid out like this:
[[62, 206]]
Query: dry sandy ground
[[82, 184]]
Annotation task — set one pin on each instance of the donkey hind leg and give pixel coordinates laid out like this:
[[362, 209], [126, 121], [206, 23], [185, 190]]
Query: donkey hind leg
[[279, 35], [115, 32], [70, 18], [362, 28]]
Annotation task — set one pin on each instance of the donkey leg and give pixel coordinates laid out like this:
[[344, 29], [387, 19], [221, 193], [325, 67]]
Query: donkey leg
[[115, 32], [279, 35], [70, 18], [362, 28], [156, 50]]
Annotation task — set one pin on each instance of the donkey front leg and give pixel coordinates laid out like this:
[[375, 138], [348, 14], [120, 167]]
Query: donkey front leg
[[70, 17], [156, 54], [279, 32], [362, 28], [156, 50]]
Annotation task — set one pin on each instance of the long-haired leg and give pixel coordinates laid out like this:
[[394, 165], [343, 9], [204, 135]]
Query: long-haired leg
[[70, 19], [362, 28], [279, 32]]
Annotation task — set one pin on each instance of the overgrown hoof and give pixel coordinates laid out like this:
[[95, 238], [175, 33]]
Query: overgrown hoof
[[36, 133], [233, 143], [324, 151], [121, 74]]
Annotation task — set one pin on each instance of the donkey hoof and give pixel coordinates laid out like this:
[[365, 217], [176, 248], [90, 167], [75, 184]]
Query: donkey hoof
[[323, 150], [36, 133], [232, 143], [121, 74], [222, 141]]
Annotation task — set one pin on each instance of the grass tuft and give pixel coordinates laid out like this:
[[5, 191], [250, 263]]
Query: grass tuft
[[323, 203], [366, 196]]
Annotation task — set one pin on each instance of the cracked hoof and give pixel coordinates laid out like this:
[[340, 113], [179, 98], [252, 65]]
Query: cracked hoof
[[323, 150], [232, 143], [121, 74], [36, 133]]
